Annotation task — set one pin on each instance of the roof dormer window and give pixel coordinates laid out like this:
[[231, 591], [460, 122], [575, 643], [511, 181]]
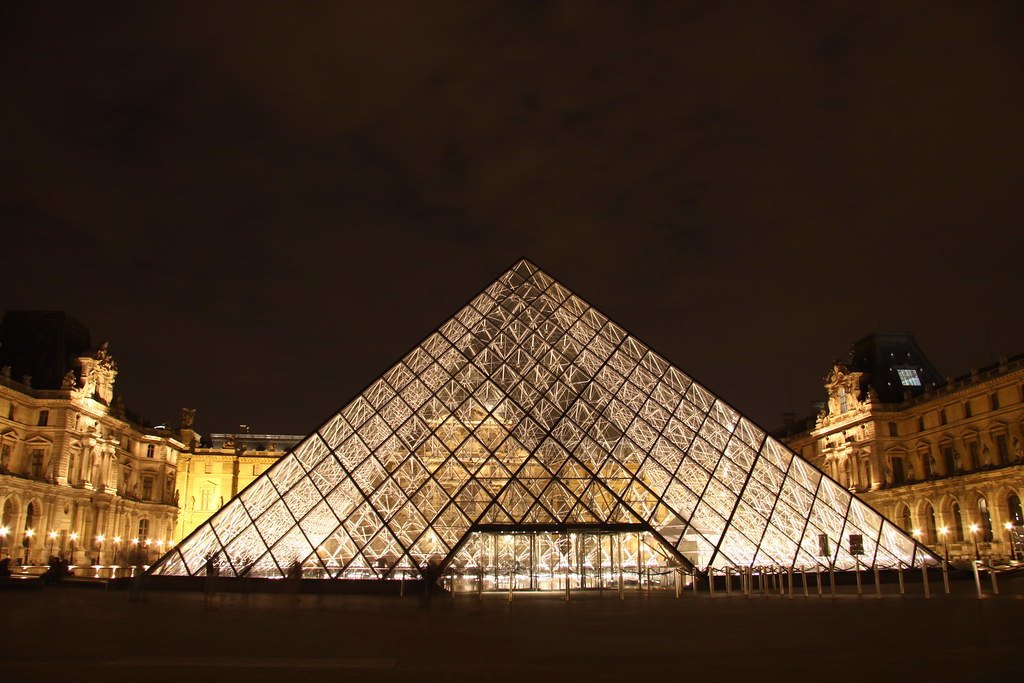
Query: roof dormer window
[[909, 377]]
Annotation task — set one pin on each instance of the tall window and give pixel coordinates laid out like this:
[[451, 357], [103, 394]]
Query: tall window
[[44, 417], [995, 400], [206, 501], [842, 400], [147, 488], [942, 416], [972, 447], [1002, 450], [893, 430], [985, 519], [926, 464], [143, 530], [208, 468], [958, 523], [36, 465], [150, 450], [949, 459], [967, 409], [898, 475]]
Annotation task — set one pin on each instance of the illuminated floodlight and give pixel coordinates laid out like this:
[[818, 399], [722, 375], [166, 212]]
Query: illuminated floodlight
[[52, 535], [30, 532], [943, 530], [74, 536], [117, 539], [99, 538], [506, 437], [975, 528]]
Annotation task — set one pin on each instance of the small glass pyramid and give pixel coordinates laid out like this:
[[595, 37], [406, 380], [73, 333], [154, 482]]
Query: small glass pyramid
[[531, 436]]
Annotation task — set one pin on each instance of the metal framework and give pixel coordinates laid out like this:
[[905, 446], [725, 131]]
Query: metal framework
[[530, 415]]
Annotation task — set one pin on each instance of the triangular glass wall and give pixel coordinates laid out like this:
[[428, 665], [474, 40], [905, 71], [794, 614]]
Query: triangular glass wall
[[530, 412]]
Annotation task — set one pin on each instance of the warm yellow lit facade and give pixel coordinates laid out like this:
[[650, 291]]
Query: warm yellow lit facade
[[946, 464], [77, 478], [210, 476]]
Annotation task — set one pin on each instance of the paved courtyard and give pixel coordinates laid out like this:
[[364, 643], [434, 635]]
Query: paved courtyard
[[76, 633]]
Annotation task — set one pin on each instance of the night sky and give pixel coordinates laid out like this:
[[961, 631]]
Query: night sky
[[263, 205]]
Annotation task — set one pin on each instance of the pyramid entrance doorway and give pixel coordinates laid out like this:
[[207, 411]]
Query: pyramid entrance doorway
[[557, 557]]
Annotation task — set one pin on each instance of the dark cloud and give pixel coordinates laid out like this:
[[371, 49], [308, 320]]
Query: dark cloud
[[263, 206]]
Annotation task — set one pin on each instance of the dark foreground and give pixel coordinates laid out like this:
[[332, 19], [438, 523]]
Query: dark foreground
[[76, 633]]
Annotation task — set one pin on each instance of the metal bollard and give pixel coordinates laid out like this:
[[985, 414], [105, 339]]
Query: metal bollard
[[728, 581], [924, 575], [945, 576], [977, 578], [711, 581], [832, 579], [899, 575], [878, 583], [803, 572], [992, 575], [860, 586], [791, 582], [817, 571]]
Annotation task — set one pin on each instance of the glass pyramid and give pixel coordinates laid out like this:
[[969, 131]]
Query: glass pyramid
[[531, 431]]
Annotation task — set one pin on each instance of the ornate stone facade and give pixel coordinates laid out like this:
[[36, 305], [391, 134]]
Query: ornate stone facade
[[78, 479], [945, 463]]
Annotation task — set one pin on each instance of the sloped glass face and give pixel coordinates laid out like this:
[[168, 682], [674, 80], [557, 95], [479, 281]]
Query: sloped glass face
[[529, 407]]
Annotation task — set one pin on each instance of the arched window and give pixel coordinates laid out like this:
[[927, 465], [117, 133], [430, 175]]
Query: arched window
[[31, 517], [1014, 509], [985, 520], [905, 521], [10, 513], [928, 515], [958, 524]]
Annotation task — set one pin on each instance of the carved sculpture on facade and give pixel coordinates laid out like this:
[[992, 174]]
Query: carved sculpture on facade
[[69, 381], [187, 418], [98, 374]]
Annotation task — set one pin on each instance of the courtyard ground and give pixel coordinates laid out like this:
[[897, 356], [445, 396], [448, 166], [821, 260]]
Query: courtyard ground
[[85, 634]]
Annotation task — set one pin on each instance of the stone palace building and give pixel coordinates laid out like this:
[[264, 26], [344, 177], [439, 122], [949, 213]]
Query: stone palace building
[[940, 456]]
